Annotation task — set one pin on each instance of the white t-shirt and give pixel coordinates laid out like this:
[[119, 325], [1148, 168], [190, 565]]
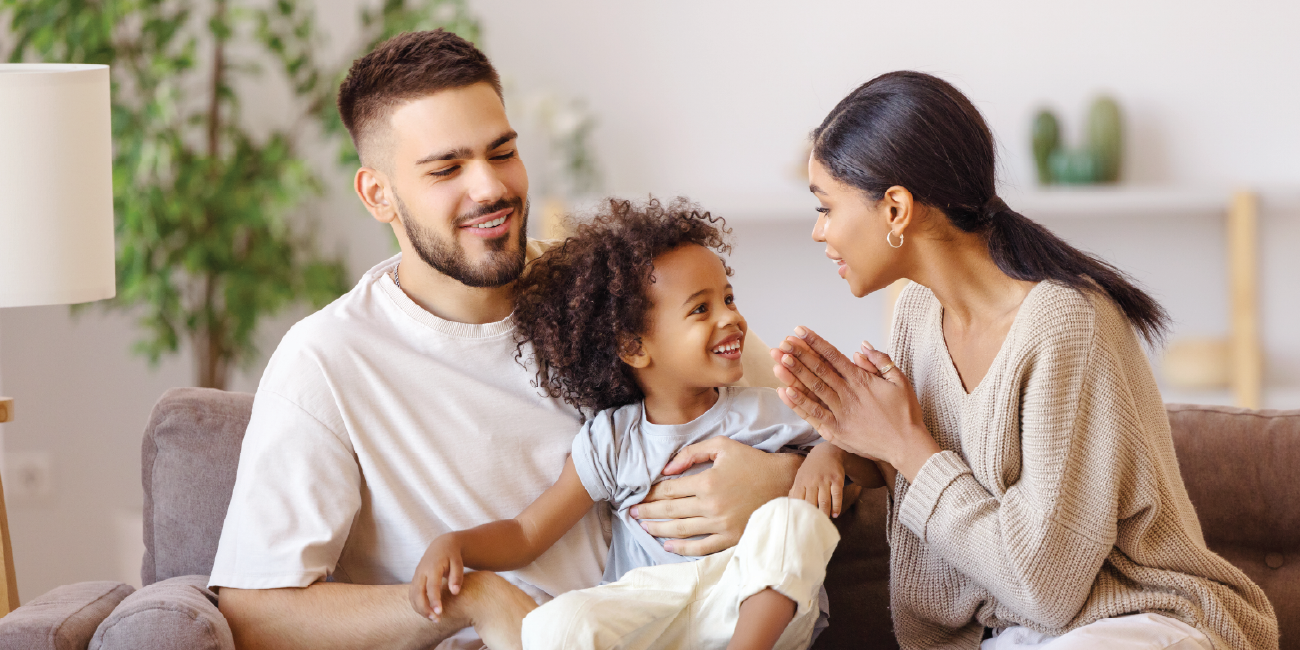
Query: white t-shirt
[[377, 427]]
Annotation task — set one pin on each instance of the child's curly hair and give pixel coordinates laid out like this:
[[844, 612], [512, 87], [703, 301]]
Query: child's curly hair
[[585, 300]]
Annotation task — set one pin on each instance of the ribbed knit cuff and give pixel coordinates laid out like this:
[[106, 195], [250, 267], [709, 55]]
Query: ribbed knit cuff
[[923, 495]]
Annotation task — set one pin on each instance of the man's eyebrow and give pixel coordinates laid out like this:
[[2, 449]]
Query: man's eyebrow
[[505, 137], [461, 153], [450, 154]]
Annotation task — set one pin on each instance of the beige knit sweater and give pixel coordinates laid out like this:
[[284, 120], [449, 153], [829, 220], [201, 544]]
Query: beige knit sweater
[[1057, 500]]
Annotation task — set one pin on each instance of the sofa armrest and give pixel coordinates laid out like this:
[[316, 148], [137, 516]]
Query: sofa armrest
[[180, 613], [65, 618]]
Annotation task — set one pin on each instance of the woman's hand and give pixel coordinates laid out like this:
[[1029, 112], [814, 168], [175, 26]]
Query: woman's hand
[[441, 561], [852, 403], [718, 501], [820, 480]]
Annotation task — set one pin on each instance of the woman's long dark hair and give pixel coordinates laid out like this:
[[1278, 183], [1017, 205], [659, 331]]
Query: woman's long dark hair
[[917, 131]]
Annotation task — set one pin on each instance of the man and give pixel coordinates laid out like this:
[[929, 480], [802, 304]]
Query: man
[[400, 412]]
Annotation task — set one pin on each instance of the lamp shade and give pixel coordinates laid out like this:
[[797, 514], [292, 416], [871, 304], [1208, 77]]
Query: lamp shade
[[56, 185]]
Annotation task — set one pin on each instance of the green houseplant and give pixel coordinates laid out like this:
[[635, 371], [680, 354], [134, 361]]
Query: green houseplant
[[208, 243]]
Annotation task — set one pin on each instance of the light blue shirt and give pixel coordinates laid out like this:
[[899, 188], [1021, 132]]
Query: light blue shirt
[[619, 455]]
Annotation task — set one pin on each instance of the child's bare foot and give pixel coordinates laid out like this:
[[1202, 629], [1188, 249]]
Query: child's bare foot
[[496, 609]]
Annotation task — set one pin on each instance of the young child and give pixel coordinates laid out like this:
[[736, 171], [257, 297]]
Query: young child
[[633, 320]]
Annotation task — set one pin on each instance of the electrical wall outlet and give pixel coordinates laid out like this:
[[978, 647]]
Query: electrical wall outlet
[[28, 477]]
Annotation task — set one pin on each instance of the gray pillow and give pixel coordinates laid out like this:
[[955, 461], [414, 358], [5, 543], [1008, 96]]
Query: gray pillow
[[189, 457], [62, 619], [176, 614]]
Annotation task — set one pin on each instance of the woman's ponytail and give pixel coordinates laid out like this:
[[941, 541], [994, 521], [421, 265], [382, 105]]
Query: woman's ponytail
[[915, 130], [1025, 250]]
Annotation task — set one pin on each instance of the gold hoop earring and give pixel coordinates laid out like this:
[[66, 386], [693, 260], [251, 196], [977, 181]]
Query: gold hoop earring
[[891, 243]]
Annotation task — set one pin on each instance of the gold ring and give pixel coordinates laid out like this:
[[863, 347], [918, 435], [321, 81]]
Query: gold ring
[[884, 371]]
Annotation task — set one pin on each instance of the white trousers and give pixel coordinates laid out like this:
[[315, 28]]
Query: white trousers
[[785, 546], [1133, 632]]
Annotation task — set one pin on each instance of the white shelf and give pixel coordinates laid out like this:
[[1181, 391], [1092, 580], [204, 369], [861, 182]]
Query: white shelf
[[1080, 202], [1116, 201]]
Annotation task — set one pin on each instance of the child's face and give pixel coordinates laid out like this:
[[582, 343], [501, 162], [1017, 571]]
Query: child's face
[[696, 334]]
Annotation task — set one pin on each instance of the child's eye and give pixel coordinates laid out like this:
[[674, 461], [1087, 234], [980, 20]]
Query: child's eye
[[730, 300], [700, 309]]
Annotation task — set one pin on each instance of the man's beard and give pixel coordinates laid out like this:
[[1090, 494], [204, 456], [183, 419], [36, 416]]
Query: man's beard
[[501, 265]]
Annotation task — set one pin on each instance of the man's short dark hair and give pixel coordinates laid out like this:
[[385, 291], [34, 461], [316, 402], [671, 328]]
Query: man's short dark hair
[[405, 67]]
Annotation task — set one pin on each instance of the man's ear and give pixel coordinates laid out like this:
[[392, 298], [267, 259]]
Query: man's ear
[[373, 187], [633, 353], [900, 206]]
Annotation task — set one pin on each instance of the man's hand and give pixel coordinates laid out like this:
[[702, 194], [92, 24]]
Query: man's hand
[[718, 501], [441, 561]]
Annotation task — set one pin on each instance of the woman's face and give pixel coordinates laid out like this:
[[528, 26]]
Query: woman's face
[[853, 227]]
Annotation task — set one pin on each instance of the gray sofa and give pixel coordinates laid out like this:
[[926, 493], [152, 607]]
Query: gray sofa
[[1238, 466]]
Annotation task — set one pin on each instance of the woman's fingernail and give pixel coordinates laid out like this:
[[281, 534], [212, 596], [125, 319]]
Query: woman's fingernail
[[787, 360], [801, 332], [866, 346], [785, 346], [633, 512]]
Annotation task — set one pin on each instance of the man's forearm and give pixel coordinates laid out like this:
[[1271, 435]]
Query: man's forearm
[[331, 615]]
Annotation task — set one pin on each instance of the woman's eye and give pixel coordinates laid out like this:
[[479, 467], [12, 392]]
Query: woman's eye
[[825, 212]]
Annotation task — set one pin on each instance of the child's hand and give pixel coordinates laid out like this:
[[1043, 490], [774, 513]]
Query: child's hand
[[441, 560], [820, 480]]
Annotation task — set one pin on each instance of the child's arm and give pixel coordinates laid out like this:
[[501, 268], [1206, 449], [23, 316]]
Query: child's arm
[[502, 545], [820, 480]]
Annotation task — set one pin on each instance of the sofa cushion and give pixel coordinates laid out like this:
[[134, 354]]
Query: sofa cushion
[[63, 619], [189, 458], [1240, 470], [176, 614], [857, 580]]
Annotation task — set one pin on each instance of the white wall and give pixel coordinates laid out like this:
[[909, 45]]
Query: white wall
[[714, 100]]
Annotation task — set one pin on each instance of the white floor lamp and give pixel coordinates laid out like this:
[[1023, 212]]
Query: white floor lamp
[[56, 206]]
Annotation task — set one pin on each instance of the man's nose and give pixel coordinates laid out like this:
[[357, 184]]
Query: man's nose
[[483, 182]]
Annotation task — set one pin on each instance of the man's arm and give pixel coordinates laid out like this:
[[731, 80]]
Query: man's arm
[[716, 502], [331, 615]]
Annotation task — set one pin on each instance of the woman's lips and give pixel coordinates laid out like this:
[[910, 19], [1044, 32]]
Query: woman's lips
[[842, 268]]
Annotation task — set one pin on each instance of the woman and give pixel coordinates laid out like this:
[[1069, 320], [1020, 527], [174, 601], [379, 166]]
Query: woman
[[1038, 501]]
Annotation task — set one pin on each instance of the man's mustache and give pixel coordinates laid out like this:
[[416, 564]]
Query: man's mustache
[[485, 210]]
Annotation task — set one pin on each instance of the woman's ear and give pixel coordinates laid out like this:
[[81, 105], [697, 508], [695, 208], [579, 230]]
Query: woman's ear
[[900, 208], [633, 353]]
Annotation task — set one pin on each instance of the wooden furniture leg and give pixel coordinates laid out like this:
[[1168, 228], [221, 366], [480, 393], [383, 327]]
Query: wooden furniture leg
[[1246, 349], [9, 595]]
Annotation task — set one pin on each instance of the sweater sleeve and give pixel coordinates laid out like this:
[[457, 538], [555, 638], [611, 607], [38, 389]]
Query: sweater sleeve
[[1037, 540]]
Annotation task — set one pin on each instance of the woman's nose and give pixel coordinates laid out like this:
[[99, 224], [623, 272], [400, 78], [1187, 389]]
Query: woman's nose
[[819, 229]]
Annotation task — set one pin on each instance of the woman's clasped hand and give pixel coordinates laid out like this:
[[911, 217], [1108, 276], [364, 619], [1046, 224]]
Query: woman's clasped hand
[[864, 405]]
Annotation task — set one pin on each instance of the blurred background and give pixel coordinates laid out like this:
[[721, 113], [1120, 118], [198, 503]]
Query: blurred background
[[713, 101]]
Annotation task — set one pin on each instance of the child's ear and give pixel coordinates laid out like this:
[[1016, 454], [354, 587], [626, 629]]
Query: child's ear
[[633, 353]]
